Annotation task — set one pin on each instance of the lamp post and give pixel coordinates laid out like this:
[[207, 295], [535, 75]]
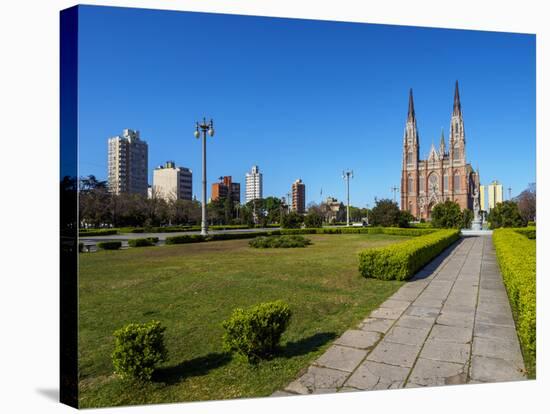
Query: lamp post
[[346, 176], [204, 128], [394, 189]]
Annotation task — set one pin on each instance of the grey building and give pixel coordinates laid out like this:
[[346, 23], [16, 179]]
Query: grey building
[[127, 163], [172, 183]]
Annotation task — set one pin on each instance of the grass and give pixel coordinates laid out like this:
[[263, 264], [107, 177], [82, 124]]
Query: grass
[[192, 288]]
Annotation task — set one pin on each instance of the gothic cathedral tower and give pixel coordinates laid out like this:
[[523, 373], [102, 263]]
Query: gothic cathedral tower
[[443, 175], [410, 159]]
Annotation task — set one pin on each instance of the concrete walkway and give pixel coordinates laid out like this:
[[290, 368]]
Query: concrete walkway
[[450, 324]]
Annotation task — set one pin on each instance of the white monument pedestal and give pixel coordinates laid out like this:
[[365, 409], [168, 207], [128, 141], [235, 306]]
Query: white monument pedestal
[[476, 225]]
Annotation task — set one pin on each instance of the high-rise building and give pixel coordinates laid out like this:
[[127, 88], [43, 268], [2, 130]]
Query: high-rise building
[[494, 195], [254, 184], [299, 197], [173, 183], [226, 188], [127, 163], [444, 175]]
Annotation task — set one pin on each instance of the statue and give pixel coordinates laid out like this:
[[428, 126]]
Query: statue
[[476, 222]]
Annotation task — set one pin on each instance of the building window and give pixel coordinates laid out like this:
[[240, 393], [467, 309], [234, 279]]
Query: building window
[[410, 184], [457, 181], [409, 157], [433, 183], [422, 183], [410, 207], [446, 182]]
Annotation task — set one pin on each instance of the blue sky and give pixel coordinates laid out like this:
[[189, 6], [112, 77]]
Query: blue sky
[[300, 98]]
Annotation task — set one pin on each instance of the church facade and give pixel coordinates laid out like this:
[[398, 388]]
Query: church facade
[[444, 175]]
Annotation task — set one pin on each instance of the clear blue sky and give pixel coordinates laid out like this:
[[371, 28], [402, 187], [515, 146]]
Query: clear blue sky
[[301, 99]]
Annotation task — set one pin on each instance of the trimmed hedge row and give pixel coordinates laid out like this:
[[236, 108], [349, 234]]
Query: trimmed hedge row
[[110, 245], [529, 232], [288, 241], [96, 232], [148, 241], [518, 262], [395, 231], [402, 260]]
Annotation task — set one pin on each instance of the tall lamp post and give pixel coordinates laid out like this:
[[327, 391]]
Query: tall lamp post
[[394, 189], [346, 176], [205, 128]]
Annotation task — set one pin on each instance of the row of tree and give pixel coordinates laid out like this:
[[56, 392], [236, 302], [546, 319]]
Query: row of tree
[[100, 208]]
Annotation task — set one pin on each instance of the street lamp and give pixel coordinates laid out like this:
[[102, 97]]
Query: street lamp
[[204, 128], [394, 189], [346, 176]]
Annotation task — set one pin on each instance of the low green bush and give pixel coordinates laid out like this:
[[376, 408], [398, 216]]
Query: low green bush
[[148, 241], [138, 349], [230, 227], [96, 232], [110, 245], [517, 260], [236, 236], [186, 238], [255, 332], [531, 223], [402, 260], [289, 241], [529, 232]]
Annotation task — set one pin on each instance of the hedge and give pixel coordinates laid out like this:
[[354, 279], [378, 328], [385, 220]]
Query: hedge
[[148, 241], [402, 260], [110, 245], [289, 241], [516, 256], [96, 232], [529, 232], [187, 238]]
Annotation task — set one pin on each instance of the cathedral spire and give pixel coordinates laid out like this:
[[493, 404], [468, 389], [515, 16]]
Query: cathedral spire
[[442, 143], [410, 115], [456, 107]]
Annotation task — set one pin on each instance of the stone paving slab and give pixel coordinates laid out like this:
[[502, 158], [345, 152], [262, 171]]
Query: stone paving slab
[[341, 358], [358, 339], [450, 324], [376, 325]]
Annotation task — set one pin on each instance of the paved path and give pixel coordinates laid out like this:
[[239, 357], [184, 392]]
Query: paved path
[[450, 324]]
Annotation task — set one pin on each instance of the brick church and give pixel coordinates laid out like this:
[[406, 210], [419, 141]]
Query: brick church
[[445, 175]]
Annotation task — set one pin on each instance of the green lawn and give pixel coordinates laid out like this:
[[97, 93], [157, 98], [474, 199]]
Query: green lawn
[[192, 288]]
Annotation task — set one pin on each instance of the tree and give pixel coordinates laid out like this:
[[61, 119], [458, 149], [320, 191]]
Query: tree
[[467, 217], [405, 218], [506, 214], [385, 213], [292, 220], [313, 219], [527, 203], [447, 215]]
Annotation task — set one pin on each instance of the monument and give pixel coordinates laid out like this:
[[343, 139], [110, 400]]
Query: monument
[[476, 222]]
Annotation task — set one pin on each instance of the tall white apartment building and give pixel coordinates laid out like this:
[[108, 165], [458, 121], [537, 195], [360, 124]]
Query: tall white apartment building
[[254, 185], [127, 163], [172, 183]]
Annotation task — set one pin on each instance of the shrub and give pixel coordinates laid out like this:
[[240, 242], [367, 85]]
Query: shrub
[[404, 219], [256, 332], [313, 220], [505, 214], [148, 241], [447, 215], [80, 247], [529, 232], [467, 218], [516, 256], [402, 260], [291, 220], [138, 349], [531, 223], [110, 245], [186, 238], [236, 236], [289, 241], [96, 232]]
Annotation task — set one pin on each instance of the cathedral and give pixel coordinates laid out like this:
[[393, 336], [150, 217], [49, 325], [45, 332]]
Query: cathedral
[[444, 175]]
